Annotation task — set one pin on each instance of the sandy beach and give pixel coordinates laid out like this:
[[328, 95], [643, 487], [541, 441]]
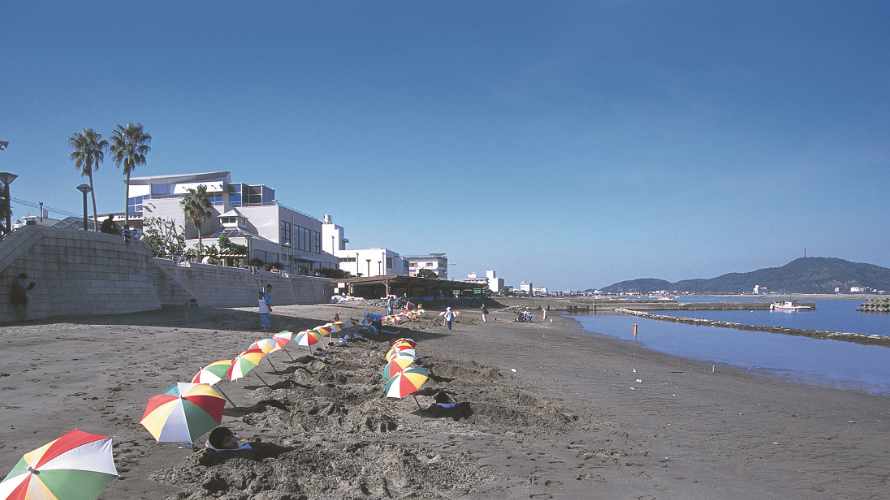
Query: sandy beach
[[582, 416]]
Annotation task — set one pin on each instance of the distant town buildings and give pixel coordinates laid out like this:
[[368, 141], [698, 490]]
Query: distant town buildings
[[526, 287], [362, 262], [435, 262], [495, 284], [760, 290]]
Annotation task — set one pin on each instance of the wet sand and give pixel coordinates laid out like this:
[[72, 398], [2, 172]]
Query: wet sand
[[571, 422]]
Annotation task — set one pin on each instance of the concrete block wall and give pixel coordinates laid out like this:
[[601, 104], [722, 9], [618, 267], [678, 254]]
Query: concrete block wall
[[76, 273], [85, 273], [219, 286]]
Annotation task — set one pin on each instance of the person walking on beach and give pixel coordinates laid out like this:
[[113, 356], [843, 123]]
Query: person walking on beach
[[265, 313], [448, 316], [389, 303], [18, 296], [267, 294], [484, 314], [543, 314]]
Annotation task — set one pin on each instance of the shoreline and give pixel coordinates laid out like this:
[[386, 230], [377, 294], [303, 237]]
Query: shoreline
[[859, 338], [570, 422]]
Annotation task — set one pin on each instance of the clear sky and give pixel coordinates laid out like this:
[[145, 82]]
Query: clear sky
[[569, 143]]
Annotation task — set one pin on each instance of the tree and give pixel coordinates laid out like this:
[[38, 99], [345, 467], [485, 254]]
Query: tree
[[197, 208], [427, 273], [164, 237], [129, 146], [88, 152], [334, 273]]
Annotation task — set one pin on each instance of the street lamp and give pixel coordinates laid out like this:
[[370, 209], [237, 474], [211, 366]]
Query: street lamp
[[6, 178], [369, 266], [379, 270], [84, 188]]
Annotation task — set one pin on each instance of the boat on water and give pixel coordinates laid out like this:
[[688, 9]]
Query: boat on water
[[789, 306]]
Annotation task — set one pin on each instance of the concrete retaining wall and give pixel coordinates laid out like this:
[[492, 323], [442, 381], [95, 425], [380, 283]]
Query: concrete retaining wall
[[233, 287], [77, 273], [86, 273]]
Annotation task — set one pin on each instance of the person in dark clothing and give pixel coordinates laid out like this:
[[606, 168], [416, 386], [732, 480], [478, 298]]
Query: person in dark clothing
[[108, 226], [18, 296]]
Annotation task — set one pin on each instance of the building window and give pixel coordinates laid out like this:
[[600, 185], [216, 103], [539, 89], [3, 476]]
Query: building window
[[216, 199], [284, 236], [134, 205], [389, 262]]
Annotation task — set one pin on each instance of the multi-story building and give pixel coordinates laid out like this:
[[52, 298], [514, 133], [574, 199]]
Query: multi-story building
[[527, 287], [360, 261], [494, 284], [248, 214], [435, 262]]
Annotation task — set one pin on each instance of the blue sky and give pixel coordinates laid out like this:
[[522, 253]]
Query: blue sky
[[573, 143]]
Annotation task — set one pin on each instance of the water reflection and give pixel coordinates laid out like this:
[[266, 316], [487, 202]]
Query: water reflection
[[835, 363]]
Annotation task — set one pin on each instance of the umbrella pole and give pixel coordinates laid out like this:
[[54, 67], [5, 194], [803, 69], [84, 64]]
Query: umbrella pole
[[270, 363], [291, 356], [415, 400], [261, 378], [227, 397]]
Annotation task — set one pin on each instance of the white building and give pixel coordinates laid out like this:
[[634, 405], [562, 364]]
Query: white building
[[539, 291], [495, 284], [435, 262], [526, 287], [362, 262], [248, 214]]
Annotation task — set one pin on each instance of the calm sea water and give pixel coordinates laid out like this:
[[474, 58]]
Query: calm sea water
[[828, 362], [830, 314]]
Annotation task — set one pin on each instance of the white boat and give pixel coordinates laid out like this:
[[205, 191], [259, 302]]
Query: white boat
[[788, 306]]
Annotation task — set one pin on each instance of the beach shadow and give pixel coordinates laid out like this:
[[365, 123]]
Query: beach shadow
[[208, 318], [283, 384], [259, 451], [259, 407], [457, 412]]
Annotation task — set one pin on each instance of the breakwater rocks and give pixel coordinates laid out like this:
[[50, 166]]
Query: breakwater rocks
[[880, 305], [859, 338]]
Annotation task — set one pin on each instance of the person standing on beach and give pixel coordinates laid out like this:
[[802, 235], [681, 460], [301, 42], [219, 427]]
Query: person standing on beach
[[543, 314], [265, 313], [448, 316], [484, 314], [18, 296]]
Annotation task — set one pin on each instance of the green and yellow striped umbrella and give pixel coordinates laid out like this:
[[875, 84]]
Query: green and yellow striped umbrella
[[75, 466], [406, 382]]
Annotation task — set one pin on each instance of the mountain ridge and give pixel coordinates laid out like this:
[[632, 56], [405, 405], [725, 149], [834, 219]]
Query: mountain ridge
[[801, 275]]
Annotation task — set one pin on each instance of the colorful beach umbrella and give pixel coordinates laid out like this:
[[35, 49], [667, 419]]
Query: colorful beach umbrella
[[406, 382], [266, 346], [244, 363], [396, 352], [307, 338], [213, 373], [76, 465], [283, 338], [322, 330], [335, 326], [183, 413], [396, 365], [405, 340]]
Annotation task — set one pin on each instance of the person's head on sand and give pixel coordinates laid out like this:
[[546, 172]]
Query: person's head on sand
[[223, 438]]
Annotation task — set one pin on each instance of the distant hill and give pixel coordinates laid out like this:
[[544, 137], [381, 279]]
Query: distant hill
[[804, 275]]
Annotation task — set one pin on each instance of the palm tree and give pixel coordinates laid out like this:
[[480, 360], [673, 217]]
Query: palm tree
[[197, 208], [88, 151], [129, 146]]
